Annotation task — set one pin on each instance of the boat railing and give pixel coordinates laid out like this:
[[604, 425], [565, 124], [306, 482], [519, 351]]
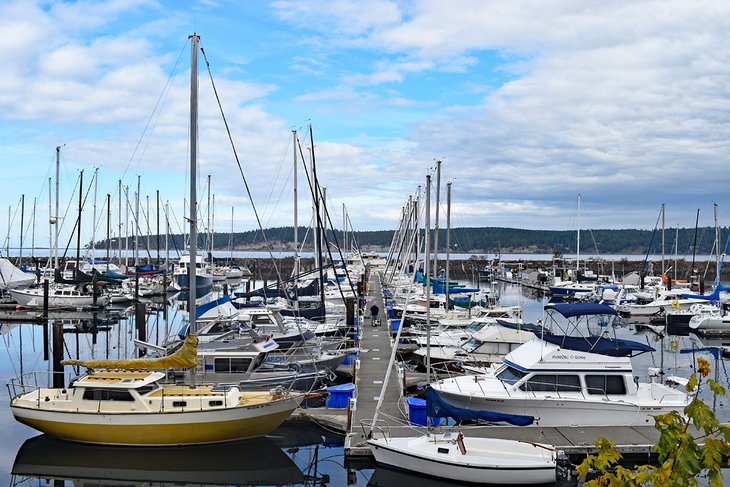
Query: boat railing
[[32, 381], [369, 426]]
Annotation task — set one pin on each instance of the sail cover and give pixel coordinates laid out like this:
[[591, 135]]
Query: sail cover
[[436, 407], [185, 357]]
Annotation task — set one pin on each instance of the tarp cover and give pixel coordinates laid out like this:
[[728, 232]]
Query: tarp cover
[[436, 407], [614, 347], [569, 310], [714, 296], [186, 357]]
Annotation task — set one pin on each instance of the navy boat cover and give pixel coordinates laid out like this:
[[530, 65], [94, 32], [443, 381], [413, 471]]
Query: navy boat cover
[[614, 347], [569, 310]]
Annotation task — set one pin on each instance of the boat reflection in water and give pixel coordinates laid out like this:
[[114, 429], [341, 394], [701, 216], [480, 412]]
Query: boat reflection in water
[[392, 477], [249, 462]]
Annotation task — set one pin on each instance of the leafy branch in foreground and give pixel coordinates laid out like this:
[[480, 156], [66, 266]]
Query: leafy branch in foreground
[[681, 456]]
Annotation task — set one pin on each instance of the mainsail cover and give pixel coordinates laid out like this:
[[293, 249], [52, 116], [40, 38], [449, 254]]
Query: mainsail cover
[[186, 357]]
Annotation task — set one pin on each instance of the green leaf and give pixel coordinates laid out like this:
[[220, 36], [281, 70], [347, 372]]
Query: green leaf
[[692, 383]]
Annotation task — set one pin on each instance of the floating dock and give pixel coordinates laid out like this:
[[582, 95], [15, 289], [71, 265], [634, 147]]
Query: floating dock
[[374, 355]]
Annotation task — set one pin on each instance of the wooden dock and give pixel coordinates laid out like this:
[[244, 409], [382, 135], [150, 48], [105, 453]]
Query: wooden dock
[[375, 349]]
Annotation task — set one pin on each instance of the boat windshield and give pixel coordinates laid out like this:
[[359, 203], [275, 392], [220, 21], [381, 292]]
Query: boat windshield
[[471, 345], [510, 375], [474, 327]]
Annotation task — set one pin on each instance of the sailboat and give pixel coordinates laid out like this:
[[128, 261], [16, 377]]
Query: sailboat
[[123, 402], [450, 455]]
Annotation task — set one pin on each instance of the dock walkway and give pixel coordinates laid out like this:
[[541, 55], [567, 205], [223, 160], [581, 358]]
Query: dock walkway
[[374, 356]]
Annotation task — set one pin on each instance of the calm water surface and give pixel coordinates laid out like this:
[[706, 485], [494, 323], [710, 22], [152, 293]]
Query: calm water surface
[[296, 454]]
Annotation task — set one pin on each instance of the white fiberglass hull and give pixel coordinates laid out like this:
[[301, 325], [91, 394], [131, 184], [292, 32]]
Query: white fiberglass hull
[[483, 459], [35, 298], [569, 411]]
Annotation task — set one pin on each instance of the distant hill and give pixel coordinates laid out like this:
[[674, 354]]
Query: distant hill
[[481, 240]]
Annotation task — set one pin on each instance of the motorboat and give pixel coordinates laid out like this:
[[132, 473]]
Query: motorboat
[[567, 380], [59, 296]]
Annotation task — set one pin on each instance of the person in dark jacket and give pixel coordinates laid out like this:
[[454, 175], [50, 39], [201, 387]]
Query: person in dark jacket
[[374, 310]]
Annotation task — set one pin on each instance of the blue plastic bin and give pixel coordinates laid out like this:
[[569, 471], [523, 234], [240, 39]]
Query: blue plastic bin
[[394, 325], [417, 412], [350, 358], [340, 395]]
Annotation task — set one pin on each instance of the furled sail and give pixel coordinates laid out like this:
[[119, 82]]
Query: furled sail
[[184, 358]]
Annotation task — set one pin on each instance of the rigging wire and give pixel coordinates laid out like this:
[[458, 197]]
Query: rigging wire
[[240, 167]]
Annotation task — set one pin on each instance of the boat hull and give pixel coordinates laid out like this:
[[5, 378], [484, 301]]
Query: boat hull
[[566, 411], [159, 429], [500, 462]]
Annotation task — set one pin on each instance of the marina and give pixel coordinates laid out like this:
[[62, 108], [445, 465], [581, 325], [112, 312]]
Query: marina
[[142, 345]]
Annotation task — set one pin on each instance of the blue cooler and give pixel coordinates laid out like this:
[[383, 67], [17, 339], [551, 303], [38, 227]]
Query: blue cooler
[[340, 396]]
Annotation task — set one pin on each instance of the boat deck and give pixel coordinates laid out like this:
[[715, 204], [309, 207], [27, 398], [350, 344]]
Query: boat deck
[[375, 350]]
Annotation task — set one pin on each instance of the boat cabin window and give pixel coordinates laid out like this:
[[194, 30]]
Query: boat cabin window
[[147, 389], [552, 383], [471, 345], [262, 319], [605, 384], [179, 404], [232, 365], [474, 327], [215, 403], [510, 375], [92, 394]]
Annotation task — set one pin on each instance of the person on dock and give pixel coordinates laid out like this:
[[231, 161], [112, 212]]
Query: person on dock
[[374, 310]]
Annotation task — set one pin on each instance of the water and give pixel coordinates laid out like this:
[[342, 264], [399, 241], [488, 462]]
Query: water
[[296, 454]]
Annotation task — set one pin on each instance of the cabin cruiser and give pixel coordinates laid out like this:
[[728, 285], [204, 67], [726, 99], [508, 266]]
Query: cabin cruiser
[[567, 380]]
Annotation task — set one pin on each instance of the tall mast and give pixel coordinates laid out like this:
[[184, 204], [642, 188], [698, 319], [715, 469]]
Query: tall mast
[[436, 221], [22, 224], [93, 218], [135, 227], [448, 238], [193, 180], [78, 227], [58, 211], [32, 235], [717, 245], [157, 196], [577, 244], [108, 228], [427, 280], [296, 209], [51, 222], [126, 226]]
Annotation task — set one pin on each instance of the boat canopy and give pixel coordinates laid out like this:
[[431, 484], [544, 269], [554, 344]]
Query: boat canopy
[[185, 357], [614, 347], [531, 327], [436, 407], [570, 310], [714, 296]]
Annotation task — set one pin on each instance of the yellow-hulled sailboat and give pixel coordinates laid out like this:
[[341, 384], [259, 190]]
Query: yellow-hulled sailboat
[[128, 406], [124, 404]]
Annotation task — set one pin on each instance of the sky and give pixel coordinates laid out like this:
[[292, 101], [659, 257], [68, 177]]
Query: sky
[[527, 104]]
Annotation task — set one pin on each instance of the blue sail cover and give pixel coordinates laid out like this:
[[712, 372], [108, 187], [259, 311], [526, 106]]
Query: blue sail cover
[[569, 310], [714, 296], [441, 289], [532, 327], [614, 347], [436, 407]]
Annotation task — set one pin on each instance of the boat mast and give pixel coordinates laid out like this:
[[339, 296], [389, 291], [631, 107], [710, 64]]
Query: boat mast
[[78, 234], [577, 244], [436, 221], [296, 210], [448, 239], [426, 267], [51, 222], [194, 39], [55, 220], [22, 223], [93, 218]]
